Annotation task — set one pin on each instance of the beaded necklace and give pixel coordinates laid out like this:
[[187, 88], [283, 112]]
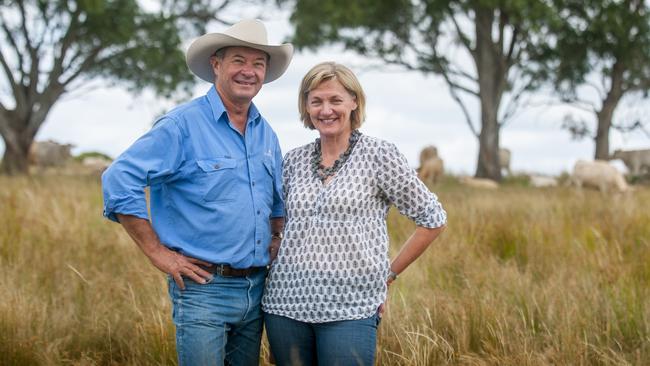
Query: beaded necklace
[[322, 172]]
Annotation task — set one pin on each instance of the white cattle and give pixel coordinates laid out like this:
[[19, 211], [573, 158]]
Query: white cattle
[[637, 161], [539, 181], [482, 183], [95, 164], [431, 170], [431, 165], [504, 160], [598, 174], [427, 153], [49, 153]]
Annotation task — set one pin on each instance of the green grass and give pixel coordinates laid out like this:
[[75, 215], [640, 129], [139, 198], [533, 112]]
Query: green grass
[[521, 276]]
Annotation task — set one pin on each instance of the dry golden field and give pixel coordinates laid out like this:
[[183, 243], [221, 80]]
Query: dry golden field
[[522, 276]]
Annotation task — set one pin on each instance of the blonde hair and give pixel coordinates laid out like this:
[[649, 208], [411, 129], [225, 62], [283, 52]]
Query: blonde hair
[[332, 71]]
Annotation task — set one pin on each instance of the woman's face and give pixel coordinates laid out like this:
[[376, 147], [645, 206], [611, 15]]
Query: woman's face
[[329, 106]]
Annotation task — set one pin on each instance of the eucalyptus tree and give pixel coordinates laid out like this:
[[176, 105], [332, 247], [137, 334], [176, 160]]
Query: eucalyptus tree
[[487, 51], [602, 57], [50, 47]]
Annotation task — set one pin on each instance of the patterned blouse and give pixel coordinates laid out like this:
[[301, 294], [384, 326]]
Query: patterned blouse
[[333, 261]]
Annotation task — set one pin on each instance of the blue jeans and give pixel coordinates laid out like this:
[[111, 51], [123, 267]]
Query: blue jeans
[[219, 322], [339, 343]]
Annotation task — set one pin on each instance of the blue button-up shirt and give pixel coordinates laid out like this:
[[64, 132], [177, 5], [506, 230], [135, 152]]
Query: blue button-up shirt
[[212, 189]]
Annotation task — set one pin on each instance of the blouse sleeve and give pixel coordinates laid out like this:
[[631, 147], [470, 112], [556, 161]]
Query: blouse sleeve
[[401, 186], [287, 171]]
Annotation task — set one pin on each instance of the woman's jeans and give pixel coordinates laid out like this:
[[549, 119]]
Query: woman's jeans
[[339, 343], [219, 322]]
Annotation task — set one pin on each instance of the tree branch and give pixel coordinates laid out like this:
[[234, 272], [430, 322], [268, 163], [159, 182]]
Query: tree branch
[[10, 77], [66, 41], [19, 55], [461, 35], [33, 54], [85, 65]]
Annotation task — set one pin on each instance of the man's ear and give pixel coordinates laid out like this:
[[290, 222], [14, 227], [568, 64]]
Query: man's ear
[[214, 61]]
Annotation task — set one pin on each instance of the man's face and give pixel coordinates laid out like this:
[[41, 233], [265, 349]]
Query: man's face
[[240, 74]]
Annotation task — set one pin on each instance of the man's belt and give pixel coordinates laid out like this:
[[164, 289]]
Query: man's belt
[[226, 270]]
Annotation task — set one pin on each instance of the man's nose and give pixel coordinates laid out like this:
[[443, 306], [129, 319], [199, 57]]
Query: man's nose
[[247, 70]]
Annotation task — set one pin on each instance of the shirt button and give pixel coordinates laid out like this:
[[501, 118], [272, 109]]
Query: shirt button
[[258, 212], [259, 241], [216, 166], [253, 184]]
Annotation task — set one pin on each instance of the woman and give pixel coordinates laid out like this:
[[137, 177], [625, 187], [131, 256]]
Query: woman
[[330, 277]]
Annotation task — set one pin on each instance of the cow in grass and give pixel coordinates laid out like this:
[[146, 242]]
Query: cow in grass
[[431, 165], [637, 161], [598, 174], [49, 154]]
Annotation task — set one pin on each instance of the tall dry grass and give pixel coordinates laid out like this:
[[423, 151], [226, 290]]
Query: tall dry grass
[[520, 277]]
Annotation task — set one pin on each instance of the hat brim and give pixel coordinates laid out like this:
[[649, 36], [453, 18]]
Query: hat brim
[[199, 52]]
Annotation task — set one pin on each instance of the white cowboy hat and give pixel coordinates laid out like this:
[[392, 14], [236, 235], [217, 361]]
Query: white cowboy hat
[[246, 33]]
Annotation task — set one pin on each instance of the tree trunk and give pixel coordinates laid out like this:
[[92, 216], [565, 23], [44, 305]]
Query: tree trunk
[[492, 73], [18, 134], [15, 161], [488, 152], [606, 114], [602, 134]]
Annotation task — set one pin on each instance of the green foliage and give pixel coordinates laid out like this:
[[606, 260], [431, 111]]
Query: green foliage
[[92, 154], [598, 34], [49, 48], [115, 39]]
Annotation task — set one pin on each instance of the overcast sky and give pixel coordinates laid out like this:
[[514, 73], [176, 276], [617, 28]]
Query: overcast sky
[[407, 108]]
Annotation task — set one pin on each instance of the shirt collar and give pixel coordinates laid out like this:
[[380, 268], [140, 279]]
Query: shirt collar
[[219, 110]]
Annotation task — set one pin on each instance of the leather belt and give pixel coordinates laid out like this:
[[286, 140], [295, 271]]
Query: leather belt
[[226, 270]]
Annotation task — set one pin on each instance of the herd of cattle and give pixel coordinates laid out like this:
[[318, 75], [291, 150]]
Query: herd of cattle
[[597, 174], [53, 155]]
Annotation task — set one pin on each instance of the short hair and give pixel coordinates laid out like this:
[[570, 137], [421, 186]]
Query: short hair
[[332, 71]]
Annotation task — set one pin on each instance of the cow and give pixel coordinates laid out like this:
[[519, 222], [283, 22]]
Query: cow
[[49, 153], [482, 183], [637, 161], [95, 164], [504, 160], [431, 165], [598, 174], [427, 153], [539, 181]]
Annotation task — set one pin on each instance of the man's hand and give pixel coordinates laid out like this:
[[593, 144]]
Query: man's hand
[[274, 248], [163, 258], [178, 265]]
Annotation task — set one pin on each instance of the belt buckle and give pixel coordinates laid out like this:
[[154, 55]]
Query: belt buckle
[[219, 270]]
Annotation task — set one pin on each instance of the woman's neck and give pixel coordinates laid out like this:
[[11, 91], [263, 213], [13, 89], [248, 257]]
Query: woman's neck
[[332, 147]]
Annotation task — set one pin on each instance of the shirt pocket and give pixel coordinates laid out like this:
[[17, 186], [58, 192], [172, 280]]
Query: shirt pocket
[[269, 166], [219, 177], [267, 179]]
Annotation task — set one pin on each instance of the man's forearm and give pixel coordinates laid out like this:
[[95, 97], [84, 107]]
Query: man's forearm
[[277, 225], [163, 258], [141, 231]]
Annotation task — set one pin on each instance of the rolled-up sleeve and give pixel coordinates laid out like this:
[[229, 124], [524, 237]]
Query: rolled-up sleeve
[[401, 186], [152, 158]]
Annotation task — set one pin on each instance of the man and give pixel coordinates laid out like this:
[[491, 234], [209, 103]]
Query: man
[[213, 167]]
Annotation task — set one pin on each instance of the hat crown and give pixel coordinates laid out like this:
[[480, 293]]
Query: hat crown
[[250, 30]]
